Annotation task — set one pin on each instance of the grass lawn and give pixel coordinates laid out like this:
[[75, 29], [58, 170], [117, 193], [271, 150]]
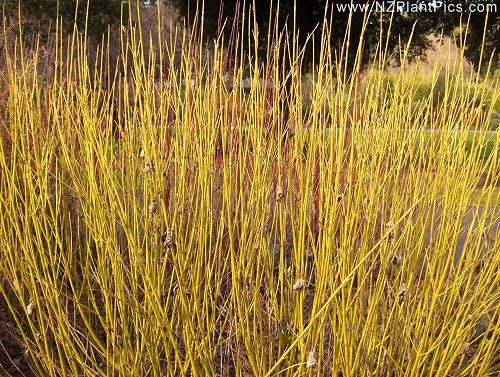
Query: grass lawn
[[484, 140]]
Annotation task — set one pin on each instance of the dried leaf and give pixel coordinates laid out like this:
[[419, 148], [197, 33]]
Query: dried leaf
[[149, 167], [397, 260], [30, 308], [312, 359], [279, 193], [465, 347], [168, 239], [402, 291], [299, 284], [152, 207]]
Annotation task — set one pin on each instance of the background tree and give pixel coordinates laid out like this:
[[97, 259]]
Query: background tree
[[426, 23], [36, 16]]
